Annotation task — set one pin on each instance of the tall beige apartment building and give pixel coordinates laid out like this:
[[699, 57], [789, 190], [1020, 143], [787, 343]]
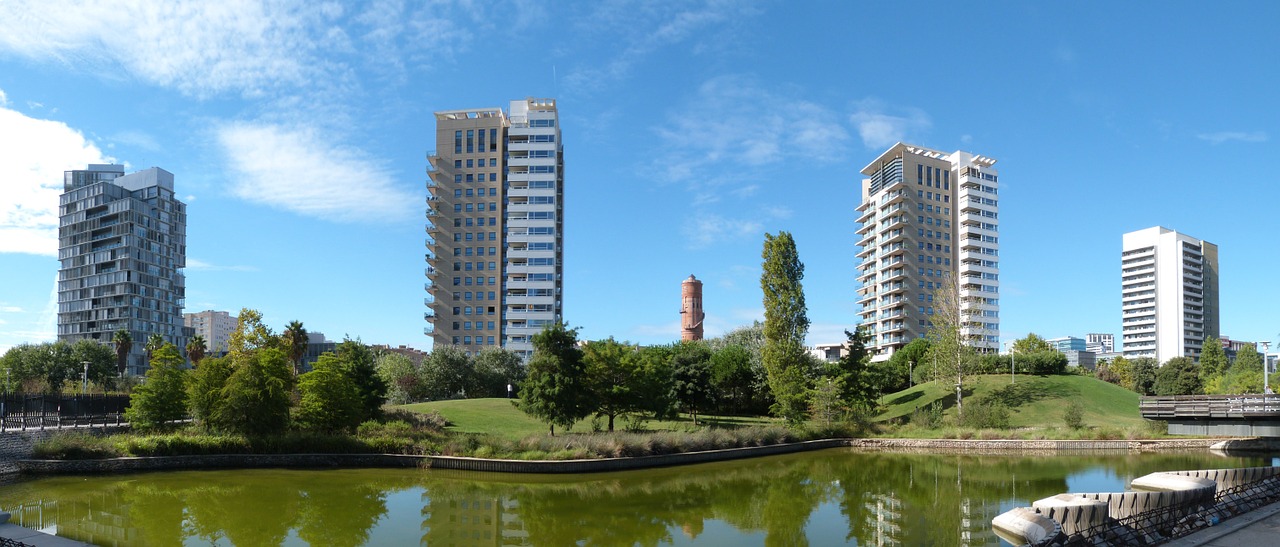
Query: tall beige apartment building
[[928, 217], [495, 226], [1168, 295], [215, 326]]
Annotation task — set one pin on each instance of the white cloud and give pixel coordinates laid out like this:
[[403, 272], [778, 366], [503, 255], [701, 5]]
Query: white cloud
[[10, 309], [297, 169], [879, 129], [33, 155], [4, 99], [705, 229], [1238, 136], [137, 139], [200, 265]]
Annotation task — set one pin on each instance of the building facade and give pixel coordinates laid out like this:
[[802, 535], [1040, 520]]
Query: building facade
[[495, 223], [691, 315], [1068, 343], [1099, 342], [215, 327], [929, 220], [1169, 294], [122, 245]]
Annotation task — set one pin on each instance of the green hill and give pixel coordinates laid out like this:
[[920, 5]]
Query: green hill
[[1033, 401]]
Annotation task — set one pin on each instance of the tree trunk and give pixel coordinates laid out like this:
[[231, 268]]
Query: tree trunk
[[553, 430], [611, 423]]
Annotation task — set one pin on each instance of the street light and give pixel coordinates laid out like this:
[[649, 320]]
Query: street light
[[1012, 361], [1266, 369], [85, 390]]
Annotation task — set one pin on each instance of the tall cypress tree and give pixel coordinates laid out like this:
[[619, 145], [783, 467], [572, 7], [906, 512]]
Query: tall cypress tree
[[785, 325]]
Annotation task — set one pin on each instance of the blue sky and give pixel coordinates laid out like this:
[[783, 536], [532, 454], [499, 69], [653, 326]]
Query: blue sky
[[297, 131]]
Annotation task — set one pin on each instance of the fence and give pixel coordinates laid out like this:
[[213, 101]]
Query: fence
[[22, 412]]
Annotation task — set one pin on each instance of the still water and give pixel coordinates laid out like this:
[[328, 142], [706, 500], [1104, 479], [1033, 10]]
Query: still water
[[831, 497]]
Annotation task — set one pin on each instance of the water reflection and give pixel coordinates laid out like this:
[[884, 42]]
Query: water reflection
[[822, 498]]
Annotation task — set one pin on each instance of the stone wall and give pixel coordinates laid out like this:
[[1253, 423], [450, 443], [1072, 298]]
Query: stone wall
[[18, 445]]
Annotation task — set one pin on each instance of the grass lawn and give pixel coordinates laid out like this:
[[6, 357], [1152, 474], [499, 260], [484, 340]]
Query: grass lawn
[[1033, 401], [499, 417]]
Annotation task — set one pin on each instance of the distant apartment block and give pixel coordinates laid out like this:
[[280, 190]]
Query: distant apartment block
[[1169, 294], [122, 244], [495, 226], [214, 326], [1099, 342], [1067, 343], [928, 217]]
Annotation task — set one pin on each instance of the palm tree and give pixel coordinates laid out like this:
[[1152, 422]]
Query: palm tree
[[196, 349], [295, 339], [154, 343], [123, 342]]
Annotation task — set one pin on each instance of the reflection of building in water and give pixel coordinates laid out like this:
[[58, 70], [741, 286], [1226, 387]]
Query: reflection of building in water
[[455, 520], [885, 515], [975, 521], [87, 522]]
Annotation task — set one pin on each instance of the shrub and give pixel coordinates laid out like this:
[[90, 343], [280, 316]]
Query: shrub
[[928, 418], [1073, 416], [74, 446], [983, 414]]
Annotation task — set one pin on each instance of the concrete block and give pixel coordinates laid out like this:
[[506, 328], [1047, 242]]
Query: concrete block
[[1075, 513]]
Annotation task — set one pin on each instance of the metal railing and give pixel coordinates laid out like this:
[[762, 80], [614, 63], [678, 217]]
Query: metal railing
[[1210, 406], [22, 412]]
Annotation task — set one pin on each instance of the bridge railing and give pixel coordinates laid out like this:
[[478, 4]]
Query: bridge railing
[[1206, 407], [21, 412]]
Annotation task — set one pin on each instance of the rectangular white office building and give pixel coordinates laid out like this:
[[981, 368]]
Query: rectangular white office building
[[1169, 294]]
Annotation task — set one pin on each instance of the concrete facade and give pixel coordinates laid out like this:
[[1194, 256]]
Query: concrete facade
[[122, 245], [495, 223], [928, 220], [1100, 342], [216, 328], [1169, 294]]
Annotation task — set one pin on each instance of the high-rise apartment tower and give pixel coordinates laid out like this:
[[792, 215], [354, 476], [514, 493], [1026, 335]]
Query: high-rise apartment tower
[[495, 226], [216, 328], [122, 244], [1168, 294], [928, 219]]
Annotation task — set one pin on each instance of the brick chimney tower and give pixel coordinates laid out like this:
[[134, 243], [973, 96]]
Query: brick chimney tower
[[691, 309]]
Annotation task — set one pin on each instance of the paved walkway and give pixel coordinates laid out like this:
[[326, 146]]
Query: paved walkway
[[27, 536], [1258, 527]]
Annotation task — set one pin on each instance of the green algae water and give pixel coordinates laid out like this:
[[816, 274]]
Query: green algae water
[[830, 497]]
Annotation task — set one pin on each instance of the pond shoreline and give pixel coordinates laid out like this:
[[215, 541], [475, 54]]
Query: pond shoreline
[[231, 461]]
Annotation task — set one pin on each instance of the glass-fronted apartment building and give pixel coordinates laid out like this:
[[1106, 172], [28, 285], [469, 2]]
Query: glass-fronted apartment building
[[928, 218], [122, 244], [495, 226]]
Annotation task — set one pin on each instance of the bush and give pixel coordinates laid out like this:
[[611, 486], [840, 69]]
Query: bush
[[1074, 415], [928, 418], [74, 446], [983, 414]]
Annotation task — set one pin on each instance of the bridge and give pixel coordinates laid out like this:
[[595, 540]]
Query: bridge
[[1216, 415]]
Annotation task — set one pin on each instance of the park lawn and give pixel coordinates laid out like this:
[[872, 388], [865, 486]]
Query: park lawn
[[1033, 401], [501, 418]]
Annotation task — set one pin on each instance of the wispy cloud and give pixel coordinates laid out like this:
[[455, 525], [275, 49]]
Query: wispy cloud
[[880, 126], [33, 155], [295, 169], [1233, 136], [200, 265], [137, 139], [704, 230]]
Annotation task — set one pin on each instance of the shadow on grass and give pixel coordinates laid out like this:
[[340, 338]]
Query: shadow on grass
[[1015, 395], [906, 398]]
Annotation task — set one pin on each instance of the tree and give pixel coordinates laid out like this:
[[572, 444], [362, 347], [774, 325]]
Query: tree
[[256, 399], [1245, 375], [656, 383], [123, 343], [859, 383], [613, 378], [446, 372], [758, 398], [204, 390], [1123, 369], [904, 366], [1213, 360], [329, 399], [294, 338], [948, 352], [250, 334], [154, 343], [101, 360], [785, 325], [1178, 376], [732, 378], [1143, 372], [691, 377], [1032, 343], [163, 397], [196, 349], [496, 368], [359, 366], [553, 392], [826, 401], [401, 377]]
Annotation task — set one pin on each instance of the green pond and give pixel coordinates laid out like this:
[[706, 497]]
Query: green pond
[[830, 497]]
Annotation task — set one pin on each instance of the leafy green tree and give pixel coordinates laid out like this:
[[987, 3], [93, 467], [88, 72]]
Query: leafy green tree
[[1178, 376], [154, 343], [100, 358], [360, 368], [859, 382], [401, 377], [329, 400], [785, 325], [1245, 375], [750, 338], [902, 369], [1143, 372], [1042, 362], [1031, 343], [163, 397], [1213, 360], [256, 399], [446, 372], [294, 339], [826, 402], [732, 378], [123, 343], [691, 377], [204, 390], [250, 334], [655, 382], [1123, 369], [613, 378], [949, 354], [496, 368], [197, 347], [554, 391]]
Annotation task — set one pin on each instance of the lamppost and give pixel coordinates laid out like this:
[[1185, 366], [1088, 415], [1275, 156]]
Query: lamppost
[[1011, 346], [85, 390], [1266, 369]]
